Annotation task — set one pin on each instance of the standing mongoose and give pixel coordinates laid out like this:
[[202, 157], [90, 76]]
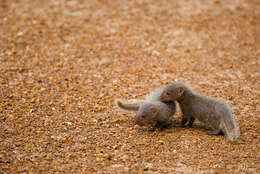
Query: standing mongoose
[[150, 111], [214, 113]]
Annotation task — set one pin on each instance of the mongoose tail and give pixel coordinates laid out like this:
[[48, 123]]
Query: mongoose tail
[[231, 128], [228, 123], [128, 106]]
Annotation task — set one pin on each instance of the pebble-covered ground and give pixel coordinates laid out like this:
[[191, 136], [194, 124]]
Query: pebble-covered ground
[[63, 63]]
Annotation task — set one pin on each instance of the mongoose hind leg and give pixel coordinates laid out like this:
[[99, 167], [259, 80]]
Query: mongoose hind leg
[[191, 121], [215, 132], [184, 120]]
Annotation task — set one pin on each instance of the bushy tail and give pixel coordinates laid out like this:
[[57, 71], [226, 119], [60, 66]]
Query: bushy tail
[[128, 106], [231, 128]]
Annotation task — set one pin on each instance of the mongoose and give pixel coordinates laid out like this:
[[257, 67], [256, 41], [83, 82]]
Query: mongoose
[[214, 113], [150, 111]]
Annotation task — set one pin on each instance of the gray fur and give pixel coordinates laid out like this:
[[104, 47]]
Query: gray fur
[[214, 113], [128, 106], [143, 107]]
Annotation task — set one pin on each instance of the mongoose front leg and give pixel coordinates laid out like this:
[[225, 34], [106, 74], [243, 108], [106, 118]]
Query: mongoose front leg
[[162, 125], [191, 121], [215, 132]]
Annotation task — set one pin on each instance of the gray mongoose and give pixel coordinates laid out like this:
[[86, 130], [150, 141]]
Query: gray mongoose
[[214, 113], [150, 111]]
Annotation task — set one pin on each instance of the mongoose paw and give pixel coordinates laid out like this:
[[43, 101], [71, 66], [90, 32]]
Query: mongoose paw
[[152, 129], [190, 125], [183, 125]]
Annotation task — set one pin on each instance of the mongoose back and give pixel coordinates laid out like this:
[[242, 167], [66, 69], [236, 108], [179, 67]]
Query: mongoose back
[[214, 113], [150, 111]]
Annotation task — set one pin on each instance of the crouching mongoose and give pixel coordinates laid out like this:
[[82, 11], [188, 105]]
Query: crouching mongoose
[[214, 113]]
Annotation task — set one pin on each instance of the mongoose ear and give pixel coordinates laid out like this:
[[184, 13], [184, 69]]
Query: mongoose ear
[[180, 91], [155, 111]]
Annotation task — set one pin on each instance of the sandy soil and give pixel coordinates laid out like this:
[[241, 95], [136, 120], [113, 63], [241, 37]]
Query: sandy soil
[[63, 63]]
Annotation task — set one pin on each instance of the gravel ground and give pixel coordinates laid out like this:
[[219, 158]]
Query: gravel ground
[[63, 63]]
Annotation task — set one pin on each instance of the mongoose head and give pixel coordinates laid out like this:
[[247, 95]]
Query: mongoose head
[[146, 115], [172, 92]]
